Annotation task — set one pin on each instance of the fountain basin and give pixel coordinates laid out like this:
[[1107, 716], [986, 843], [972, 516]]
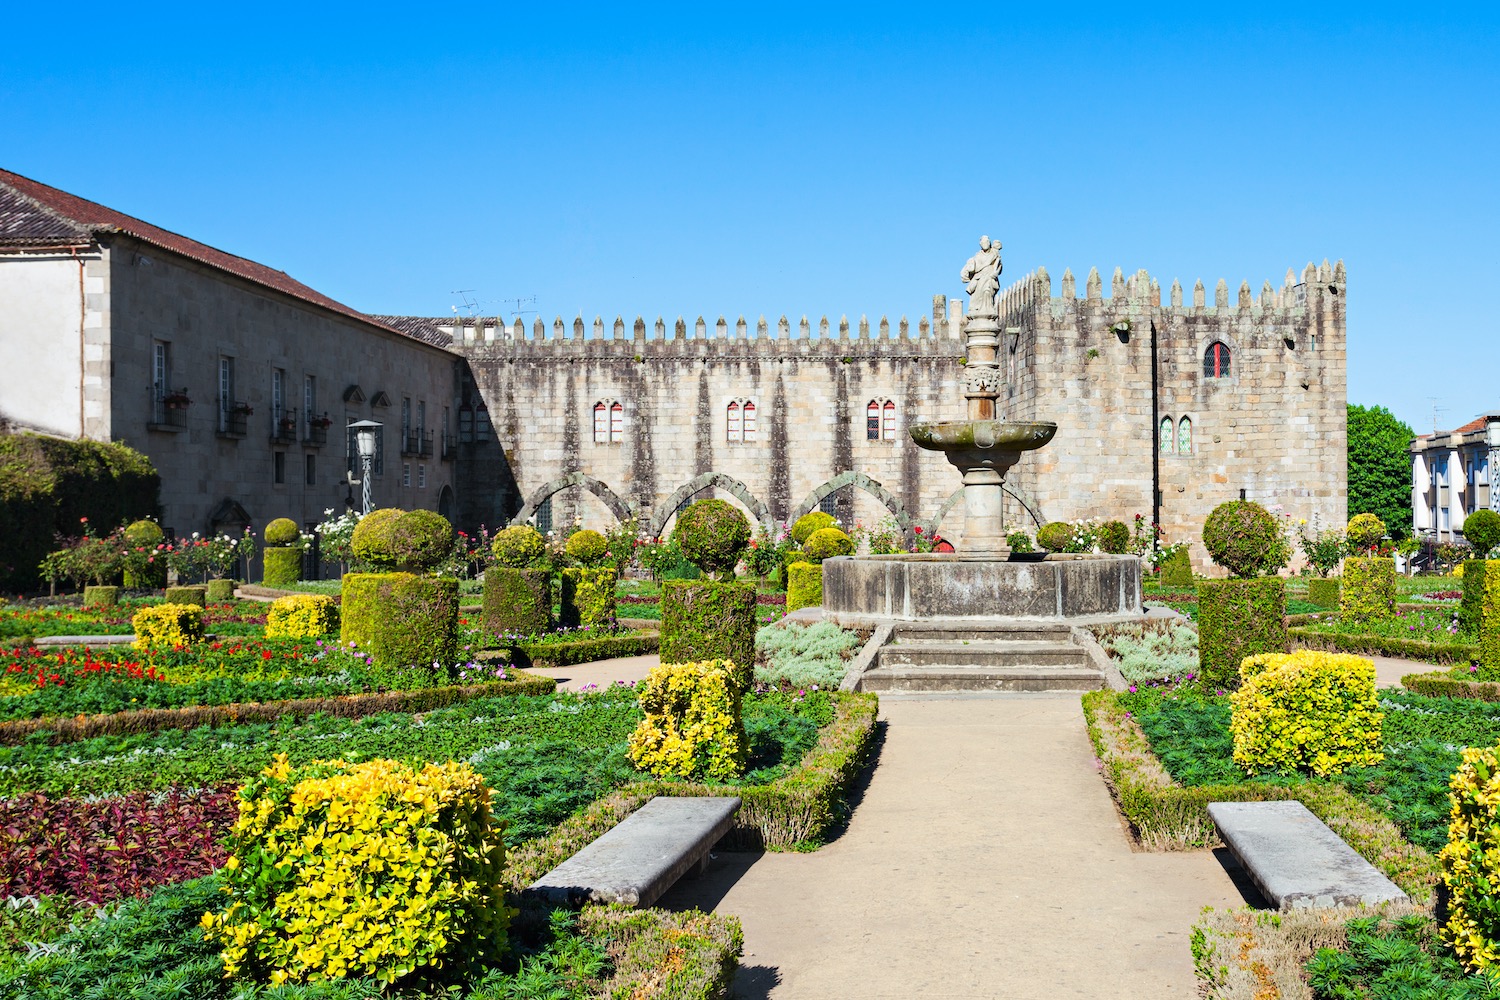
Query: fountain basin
[[950, 585]]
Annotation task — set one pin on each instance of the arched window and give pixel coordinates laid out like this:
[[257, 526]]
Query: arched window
[[1165, 436], [1185, 437], [872, 421], [601, 423], [617, 422], [609, 421], [880, 419], [889, 430], [736, 429], [749, 421], [1216, 361]]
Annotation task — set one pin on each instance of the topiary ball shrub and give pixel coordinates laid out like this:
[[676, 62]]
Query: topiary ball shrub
[[518, 547], [282, 531], [1236, 619], [587, 547], [517, 601], [804, 587], [1364, 532], [421, 540], [1114, 538], [713, 534], [1482, 530], [372, 542], [283, 566], [1246, 539], [704, 620], [808, 523], [826, 543], [1306, 711], [1055, 536], [144, 534], [692, 728]]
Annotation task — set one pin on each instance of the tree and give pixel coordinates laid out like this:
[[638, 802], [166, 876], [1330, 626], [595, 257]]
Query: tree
[[1380, 467]]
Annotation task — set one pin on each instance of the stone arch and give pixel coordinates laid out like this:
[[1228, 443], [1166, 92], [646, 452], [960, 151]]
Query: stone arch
[[1028, 504], [859, 480], [618, 507], [728, 484]]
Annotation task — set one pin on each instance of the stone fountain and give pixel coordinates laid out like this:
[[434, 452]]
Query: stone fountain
[[977, 617]]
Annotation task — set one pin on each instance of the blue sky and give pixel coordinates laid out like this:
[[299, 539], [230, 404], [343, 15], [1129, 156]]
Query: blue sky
[[800, 158]]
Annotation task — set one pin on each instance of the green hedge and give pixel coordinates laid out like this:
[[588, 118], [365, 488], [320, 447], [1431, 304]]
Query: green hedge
[[188, 594], [661, 953], [1471, 607], [1380, 645], [283, 567], [219, 591], [1166, 816], [101, 597], [1177, 570], [359, 609], [804, 587], [348, 706], [1369, 591], [48, 484], [703, 620], [588, 597], [566, 654], [1323, 592], [517, 601], [416, 630], [1443, 685], [1236, 619]]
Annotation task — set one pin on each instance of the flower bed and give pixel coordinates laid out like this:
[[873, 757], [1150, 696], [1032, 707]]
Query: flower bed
[[21, 623]]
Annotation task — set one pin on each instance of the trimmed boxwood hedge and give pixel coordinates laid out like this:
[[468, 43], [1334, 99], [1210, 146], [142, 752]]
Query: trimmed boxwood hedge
[[588, 597], [283, 567], [1381, 645], [1471, 608], [1177, 570], [1236, 619], [219, 591], [101, 597], [1442, 685], [566, 654], [1323, 592], [1369, 591], [360, 607], [804, 587], [188, 594], [416, 630], [702, 620], [48, 484], [517, 600]]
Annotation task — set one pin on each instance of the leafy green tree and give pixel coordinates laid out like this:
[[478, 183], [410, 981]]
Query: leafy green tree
[[1380, 467]]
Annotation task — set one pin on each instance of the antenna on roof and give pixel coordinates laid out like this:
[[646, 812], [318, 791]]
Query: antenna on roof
[[470, 304], [524, 300], [1436, 409]]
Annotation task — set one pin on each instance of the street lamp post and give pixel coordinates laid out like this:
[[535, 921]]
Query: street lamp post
[[1492, 443], [365, 438]]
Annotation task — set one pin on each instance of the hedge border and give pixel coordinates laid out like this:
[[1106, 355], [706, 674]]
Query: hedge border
[[659, 953], [567, 654], [1379, 645], [795, 812], [1440, 685], [345, 706], [1164, 815]]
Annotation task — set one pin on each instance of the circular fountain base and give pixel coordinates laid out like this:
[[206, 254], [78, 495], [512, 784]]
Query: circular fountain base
[[943, 586]]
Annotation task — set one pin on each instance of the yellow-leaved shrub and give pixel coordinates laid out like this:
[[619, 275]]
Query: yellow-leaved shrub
[[692, 729], [373, 869], [164, 626], [1471, 861], [301, 616], [1306, 710]]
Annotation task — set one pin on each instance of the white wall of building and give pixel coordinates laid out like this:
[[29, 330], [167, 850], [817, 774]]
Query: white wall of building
[[41, 343]]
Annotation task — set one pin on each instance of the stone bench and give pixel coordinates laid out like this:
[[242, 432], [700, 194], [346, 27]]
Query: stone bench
[[82, 640], [1295, 860], [643, 855]]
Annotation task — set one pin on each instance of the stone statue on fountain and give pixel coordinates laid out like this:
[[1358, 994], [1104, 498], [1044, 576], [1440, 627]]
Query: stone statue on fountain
[[981, 277]]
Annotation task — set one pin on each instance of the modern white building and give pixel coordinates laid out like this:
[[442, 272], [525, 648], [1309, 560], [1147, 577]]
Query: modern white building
[[1451, 477]]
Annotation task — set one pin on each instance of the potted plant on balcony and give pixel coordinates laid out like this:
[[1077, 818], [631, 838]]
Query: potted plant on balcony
[[176, 399], [287, 425], [322, 423], [242, 409]]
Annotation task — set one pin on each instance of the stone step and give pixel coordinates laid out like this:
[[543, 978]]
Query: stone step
[[921, 632], [983, 654], [981, 678]]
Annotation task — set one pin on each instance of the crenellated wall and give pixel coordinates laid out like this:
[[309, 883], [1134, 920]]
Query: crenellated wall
[[1274, 427]]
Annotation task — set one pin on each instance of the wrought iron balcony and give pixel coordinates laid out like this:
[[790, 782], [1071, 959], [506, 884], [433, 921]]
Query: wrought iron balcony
[[284, 427], [169, 408], [233, 416]]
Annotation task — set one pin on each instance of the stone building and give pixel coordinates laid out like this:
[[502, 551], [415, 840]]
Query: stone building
[[235, 379], [1450, 478]]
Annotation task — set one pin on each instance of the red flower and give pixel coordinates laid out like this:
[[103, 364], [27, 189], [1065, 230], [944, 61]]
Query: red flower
[[265, 654]]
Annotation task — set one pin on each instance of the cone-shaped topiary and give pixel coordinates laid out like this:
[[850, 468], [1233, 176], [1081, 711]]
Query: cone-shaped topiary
[[808, 523], [1246, 539], [713, 534], [518, 546], [1055, 536], [1482, 529], [282, 531], [1364, 532], [587, 547], [825, 543]]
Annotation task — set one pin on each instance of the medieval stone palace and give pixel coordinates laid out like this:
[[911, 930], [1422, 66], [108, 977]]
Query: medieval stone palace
[[1163, 408]]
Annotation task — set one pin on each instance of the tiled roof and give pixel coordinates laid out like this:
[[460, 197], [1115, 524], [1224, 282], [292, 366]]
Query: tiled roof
[[34, 214], [1472, 427], [423, 328]]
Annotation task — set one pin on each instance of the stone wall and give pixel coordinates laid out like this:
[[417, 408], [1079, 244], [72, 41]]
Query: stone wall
[[204, 314], [55, 376]]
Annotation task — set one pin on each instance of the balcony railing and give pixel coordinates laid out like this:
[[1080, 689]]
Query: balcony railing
[[169, 408], [284, 427], [417, 444], [317, 433], [450, 447], [233, 416]]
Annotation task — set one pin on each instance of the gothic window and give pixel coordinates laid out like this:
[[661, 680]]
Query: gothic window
[[1185, 437], [880, 420], [609, 421], [1165, 436], [740, 421], [1216, 361], [616, 421], [601, 423]]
